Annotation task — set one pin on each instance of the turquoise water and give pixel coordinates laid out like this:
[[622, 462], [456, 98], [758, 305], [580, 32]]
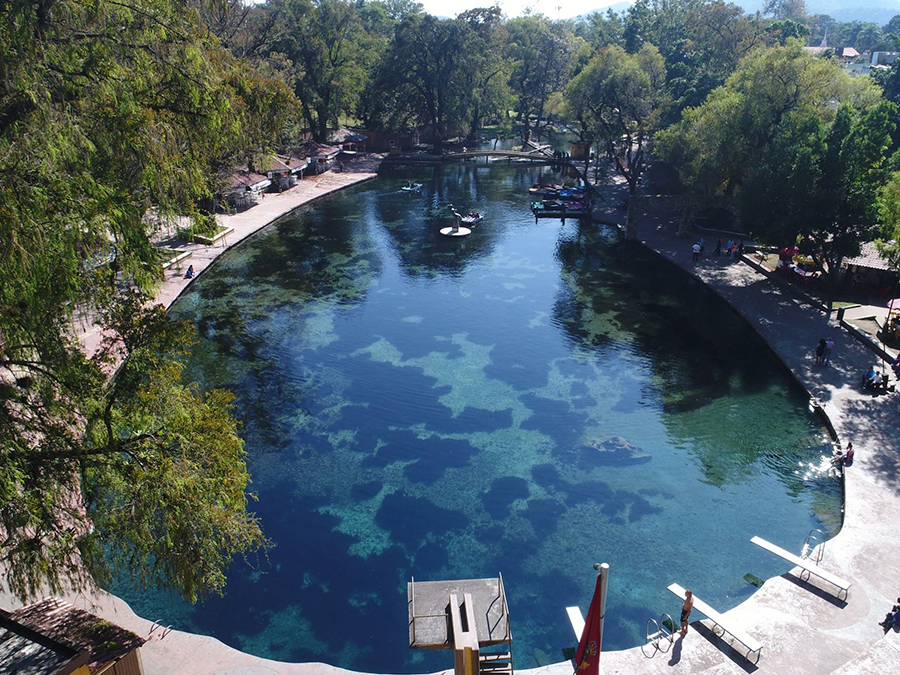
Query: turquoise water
[[529, 400]]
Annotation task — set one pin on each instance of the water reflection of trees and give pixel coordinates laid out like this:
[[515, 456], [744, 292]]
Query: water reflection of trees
[[698, 349], [254, 309], [412, 221]]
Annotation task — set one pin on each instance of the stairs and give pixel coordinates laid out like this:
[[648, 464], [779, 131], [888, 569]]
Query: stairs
[[495, 663]]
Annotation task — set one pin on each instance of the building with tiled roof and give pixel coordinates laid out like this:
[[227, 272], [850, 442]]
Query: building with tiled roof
[[52, 637]]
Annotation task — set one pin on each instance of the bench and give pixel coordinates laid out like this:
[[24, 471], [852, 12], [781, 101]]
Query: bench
[[807, 566], [753, 645], [177, 258], [577, 621]]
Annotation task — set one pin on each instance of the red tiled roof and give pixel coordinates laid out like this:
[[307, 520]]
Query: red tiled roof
[[82, 630], [869, 257]]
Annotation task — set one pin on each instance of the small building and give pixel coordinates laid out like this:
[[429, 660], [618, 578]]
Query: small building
[[245, 187], [350, 142], [320, 155], [285, 171], [52, 637], [870, 271], [884, 58], [846, 53]]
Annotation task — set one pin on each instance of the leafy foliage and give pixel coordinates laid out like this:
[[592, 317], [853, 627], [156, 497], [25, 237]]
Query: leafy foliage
[[111, 111], [619, 97]]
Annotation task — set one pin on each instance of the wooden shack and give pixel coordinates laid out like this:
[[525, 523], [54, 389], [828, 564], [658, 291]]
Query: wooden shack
[[52, 637]]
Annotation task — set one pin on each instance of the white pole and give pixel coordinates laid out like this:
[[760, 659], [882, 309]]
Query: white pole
[[604, 586]]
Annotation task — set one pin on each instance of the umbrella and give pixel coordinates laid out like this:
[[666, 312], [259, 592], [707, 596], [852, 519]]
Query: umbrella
[[894, 305]]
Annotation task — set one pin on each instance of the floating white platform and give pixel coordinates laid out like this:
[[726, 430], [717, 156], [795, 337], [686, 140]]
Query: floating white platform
[[456, 231]]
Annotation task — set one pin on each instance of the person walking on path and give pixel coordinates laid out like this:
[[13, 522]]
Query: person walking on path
[[826, 356], [718, 250], [820, 352], [686, 610], [696, 250]]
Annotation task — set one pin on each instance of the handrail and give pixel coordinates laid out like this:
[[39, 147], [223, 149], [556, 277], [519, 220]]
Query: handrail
[[505, 608], [412, 600]]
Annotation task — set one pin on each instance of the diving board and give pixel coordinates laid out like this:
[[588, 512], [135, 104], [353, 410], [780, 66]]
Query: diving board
[[808, 566], [576, 618], [753, 645]]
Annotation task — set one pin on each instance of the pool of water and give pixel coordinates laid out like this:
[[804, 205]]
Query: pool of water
[[529, 400]]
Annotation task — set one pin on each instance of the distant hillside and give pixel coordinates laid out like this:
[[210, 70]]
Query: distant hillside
[[876, 11]]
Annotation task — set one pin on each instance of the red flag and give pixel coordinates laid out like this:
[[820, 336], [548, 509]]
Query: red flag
[[587, 658]]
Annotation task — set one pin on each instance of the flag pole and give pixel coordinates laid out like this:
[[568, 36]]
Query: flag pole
[[604, 586]]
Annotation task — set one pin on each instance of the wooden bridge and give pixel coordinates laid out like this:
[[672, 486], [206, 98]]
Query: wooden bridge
[[533, 156]]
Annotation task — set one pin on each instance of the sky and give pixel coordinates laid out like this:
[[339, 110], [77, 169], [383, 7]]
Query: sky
[[562, 9]]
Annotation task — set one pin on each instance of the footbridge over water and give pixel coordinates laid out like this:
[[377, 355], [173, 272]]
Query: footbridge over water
[[532, 156]]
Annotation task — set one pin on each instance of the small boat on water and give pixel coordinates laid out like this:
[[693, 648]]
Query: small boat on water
[[543, 190], [549, 208], [412, 187], [472, 218], [575, 194]]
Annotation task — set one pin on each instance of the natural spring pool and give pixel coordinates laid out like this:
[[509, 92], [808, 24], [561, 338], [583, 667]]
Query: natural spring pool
[[529, 400]]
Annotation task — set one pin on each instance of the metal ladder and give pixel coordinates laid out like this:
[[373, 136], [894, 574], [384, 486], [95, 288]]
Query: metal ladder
[[813, 545], [661, 638]]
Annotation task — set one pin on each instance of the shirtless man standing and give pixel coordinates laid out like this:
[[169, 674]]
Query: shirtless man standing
[[686, 610]]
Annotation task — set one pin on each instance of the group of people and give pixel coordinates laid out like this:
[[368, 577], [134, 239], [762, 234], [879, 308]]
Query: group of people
[[892, 619], [823, 351], [875, 380], [732, 248]]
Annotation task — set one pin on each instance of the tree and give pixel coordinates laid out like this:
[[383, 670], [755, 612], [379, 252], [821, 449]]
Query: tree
[[422, 77], [826, 193], [619, 98], [785, 9], [110, 112], [485, 76], [782, 30], [540, 54], [715, 144], [326, 50], [702, 42]]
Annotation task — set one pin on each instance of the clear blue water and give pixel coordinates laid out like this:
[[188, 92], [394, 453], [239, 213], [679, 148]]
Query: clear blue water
[[529, 400]]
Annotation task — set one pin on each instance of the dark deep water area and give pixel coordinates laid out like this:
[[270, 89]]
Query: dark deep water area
[[529, 400]]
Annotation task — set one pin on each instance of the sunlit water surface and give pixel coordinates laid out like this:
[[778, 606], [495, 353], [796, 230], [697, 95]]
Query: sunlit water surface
[[529, 400]]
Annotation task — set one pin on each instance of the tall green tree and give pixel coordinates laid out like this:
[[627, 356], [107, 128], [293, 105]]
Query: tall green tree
[[487, 71], [716, 144], [326, 50], [423, 76], [540, 53], [828, 180], [619, 98], [111, 112], [702, 42]]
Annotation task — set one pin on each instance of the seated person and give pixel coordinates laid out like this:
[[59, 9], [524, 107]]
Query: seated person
[[892, 619], [871, 377], [190, 272], [842, 459]]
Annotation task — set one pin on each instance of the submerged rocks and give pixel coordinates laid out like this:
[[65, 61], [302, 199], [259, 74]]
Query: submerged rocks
[[613, 451]]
